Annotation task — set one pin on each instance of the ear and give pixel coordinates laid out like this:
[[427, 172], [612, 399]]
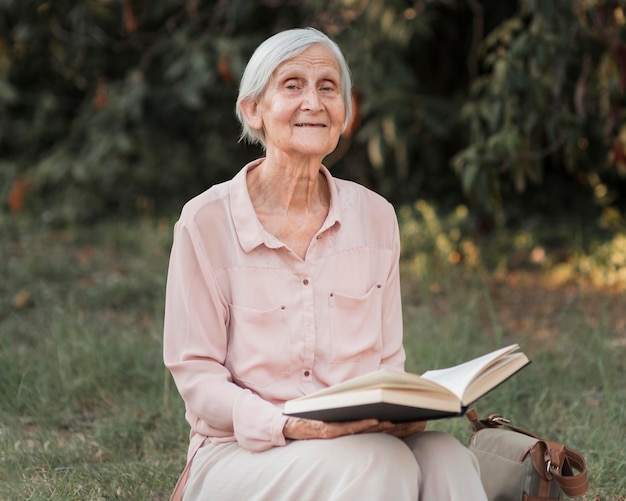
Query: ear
[[251, 111]]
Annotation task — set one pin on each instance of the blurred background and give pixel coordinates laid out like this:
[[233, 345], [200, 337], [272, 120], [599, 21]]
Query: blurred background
[[511, 107]]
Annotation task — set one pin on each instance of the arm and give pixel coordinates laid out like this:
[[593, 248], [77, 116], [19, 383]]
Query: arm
[[195, 344]]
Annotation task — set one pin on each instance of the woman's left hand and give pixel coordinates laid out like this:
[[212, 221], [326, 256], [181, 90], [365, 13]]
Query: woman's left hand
[[306, 429], [403, 430]]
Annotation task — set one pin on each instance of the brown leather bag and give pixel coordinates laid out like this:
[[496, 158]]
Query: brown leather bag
[[516, 465]]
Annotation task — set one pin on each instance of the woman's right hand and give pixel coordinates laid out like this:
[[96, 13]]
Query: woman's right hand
[[305, 429]]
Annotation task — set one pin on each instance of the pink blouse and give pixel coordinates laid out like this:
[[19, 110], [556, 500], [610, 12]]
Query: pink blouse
[[249, 325]]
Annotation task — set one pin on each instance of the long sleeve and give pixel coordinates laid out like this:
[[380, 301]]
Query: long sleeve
[[195, 346]]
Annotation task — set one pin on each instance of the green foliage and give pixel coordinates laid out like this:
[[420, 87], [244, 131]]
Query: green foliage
[[550, 98], [125, 107], [434, 243]]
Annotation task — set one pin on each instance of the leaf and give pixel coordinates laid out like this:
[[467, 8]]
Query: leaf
[[17, 195], [22, 299], [8, 93]]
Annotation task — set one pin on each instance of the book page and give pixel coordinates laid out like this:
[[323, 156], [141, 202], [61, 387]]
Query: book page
[[458, 378], [499, 371], [380, 379], [441, 402], [453, 381]]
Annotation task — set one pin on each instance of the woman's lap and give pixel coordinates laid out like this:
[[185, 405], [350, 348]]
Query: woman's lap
[[448, 469], [366, 466]]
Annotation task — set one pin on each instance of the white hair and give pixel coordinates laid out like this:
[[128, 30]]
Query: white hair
[[272, 53]]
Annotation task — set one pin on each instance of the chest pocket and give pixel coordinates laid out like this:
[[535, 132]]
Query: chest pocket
[[259, 345], [356, 326]]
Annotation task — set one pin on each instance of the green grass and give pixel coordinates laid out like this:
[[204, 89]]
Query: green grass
[[85, 409], [88, 413]]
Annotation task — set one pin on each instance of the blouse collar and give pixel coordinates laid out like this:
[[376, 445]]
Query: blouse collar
[[250, 232]]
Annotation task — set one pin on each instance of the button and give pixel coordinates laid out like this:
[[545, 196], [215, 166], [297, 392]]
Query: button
[[305, 281], [307, 373]]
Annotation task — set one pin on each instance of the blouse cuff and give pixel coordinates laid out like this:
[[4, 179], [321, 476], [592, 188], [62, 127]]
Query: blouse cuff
[[258, 424]]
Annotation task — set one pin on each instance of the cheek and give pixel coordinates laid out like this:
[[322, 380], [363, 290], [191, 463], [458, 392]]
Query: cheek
[[281, 104], [339, 113], [279, 114]]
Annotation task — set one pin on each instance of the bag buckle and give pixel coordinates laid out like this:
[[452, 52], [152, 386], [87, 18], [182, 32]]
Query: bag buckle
[[499, 419], [549, 464]]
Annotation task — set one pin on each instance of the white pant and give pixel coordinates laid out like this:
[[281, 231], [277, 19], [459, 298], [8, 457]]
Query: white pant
[[428, 466]]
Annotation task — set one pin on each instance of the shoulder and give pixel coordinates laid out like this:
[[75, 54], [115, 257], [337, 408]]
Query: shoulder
[[213, 202], [366, 218], [356, 197], [220, 200]]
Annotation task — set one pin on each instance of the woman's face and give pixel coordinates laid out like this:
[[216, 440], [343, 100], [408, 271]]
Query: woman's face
[[302, 111]]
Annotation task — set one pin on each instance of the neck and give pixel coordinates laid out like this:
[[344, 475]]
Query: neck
[[292, 187]]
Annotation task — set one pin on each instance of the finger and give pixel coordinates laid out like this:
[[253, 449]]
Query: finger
[[403, 430], [350, 427], [383, 427], [299, 429]]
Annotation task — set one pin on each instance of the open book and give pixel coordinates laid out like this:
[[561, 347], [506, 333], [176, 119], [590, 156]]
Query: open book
[[397, 396]]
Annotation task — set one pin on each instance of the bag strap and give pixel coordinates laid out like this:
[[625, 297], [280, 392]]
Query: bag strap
[[550, 459], [560, 462], [494, 421]]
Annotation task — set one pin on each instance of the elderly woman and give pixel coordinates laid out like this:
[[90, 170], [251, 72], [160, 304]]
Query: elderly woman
[[283, 281]]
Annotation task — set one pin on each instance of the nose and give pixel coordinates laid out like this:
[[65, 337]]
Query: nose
[[311, 100]]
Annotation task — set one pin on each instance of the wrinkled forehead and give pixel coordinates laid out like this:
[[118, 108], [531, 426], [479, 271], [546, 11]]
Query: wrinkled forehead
[[317, 59]]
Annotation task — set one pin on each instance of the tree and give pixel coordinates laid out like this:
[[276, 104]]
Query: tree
[[115, 106], [550, 99]]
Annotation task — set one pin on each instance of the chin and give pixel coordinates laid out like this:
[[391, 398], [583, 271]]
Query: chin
[[315, 148]]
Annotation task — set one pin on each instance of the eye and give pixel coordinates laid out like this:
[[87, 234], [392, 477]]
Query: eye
[[328, 87], [292, 84]]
